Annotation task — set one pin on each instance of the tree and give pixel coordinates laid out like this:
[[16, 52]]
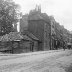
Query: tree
[[9, 15]]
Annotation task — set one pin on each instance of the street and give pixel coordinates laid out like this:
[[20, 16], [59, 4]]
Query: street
[[47, 61]]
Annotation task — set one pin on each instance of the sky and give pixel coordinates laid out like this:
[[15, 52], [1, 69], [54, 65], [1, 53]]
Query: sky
[[60, 9]]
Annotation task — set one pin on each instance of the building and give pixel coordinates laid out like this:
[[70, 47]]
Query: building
[[44, 27], [24, 23], [39, 26], [53, 32], [15, 42]]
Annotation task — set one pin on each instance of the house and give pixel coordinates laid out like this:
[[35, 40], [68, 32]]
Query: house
[[15, 42]]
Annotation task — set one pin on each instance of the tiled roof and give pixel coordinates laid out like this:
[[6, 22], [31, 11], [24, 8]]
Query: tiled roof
[[26, 37], [4, 38], [30, 35], [14, 36]]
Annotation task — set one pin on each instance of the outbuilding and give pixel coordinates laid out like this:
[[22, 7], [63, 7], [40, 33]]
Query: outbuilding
[[15, 42]]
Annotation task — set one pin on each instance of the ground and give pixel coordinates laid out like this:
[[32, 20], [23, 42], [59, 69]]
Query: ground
[[47, 61]]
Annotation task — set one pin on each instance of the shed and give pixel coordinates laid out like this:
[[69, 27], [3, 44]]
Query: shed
[[14, 42]]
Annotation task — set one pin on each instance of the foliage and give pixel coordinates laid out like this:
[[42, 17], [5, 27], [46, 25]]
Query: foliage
[[9, 15]]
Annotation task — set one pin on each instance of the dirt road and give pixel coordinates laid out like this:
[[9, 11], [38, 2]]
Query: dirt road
[[47, 61]]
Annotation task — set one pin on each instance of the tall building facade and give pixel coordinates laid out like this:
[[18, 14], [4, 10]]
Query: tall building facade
[[53, 33], [39, 25]]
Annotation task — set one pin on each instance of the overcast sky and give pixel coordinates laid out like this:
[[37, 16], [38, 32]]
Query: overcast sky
[[60, 9]]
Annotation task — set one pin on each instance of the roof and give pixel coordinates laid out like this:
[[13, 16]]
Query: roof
[[30, 35], [45, 17], [14, 36], [36, 16], [4, 38], [39, 16], [26, 37]]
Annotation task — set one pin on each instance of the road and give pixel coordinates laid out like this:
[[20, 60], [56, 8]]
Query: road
[[47, 61]]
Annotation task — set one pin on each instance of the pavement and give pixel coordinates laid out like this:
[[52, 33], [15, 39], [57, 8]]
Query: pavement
[[42, 61]]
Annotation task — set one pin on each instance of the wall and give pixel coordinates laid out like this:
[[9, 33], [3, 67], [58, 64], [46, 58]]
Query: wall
[[21, 47], [35, 46], [46, 36], [36, 27], [41, 30], [6, 46], [25, 46]]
